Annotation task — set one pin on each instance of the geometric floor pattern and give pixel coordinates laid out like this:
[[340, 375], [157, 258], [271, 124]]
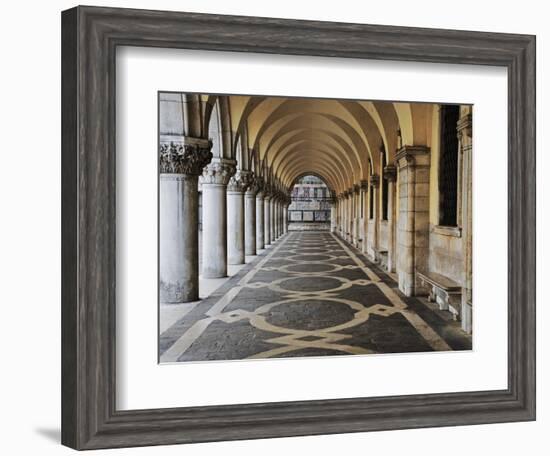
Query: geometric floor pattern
[[310, 294]]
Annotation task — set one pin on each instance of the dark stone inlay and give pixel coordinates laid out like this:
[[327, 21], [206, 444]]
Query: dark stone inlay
[[239, 340], [310, 267], [310, 315], [308, 284], [313, 257]]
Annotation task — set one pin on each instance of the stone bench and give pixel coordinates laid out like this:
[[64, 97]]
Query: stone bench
[[443, 291]]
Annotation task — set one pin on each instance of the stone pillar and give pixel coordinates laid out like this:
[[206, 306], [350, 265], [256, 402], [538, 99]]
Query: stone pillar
[[260, 220], [267, 219], [356, 213], [364, 217], [390, 174], [250, 218], [464, 128], [333, 210], [412, 232], [238, 184], [215, 178], [340, 214], [180, 166], [285, 217], [272, 216], [374, 185]]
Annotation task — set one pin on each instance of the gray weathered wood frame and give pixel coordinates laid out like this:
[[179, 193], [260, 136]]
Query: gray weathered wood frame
[[90, 36]]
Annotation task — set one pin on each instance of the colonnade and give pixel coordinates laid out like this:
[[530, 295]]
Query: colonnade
[[241, 215]]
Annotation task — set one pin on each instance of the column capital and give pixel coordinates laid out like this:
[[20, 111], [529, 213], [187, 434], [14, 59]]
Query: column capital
[[390, 172], [356, 188], [364, 184], [409, 155], [219, 171], [256, 185], [464, 127], [187, 157], [240, 181], [375, 180]]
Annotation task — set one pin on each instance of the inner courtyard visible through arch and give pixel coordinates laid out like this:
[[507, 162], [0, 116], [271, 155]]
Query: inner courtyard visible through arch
[[294, 227]]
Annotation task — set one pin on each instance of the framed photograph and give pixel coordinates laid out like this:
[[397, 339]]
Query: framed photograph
[[278, 228]]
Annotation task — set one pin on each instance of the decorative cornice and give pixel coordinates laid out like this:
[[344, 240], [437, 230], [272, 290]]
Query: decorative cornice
[[219, 171], [390, 173], [375, 180], [187, 158], [240, 181]]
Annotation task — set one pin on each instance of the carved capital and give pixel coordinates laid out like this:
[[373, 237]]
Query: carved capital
[[187, 158], [390, 172], [375, 180], [464, 128], [364, 184], [356, 188], [412, 155], [219, 171], [256, 185], [240, 181]]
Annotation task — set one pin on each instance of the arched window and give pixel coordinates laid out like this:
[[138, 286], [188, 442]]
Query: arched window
[[448, 165]]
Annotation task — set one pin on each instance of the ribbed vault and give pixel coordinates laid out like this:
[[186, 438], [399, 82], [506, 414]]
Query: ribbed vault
[[341, 141]]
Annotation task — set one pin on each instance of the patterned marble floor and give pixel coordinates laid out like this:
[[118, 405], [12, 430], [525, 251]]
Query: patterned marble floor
[[310, 294]]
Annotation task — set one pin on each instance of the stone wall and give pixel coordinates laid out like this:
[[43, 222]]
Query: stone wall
[[446, 253]]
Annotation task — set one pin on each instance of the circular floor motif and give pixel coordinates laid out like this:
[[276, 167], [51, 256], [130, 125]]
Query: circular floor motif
[[311, 267], [310, 257], [309, 284], [299, 315]]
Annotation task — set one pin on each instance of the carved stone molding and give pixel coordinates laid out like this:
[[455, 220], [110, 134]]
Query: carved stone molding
[[390, 173], [240, 181], [256, 185], [375, 180], [187, 158], [464, 129], [219, 171], [410, 155]]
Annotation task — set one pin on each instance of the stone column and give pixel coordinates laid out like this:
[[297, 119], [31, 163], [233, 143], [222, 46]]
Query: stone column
[[390, 174], [274, 204], [374, 185], [238, 184], [267, 219], [464, 128], [250, 218], [272, 236], [279, 218], [180, 166], [285, 217], [215, 178], [260, 220], [412, 232], [356, 213], [364, 211]]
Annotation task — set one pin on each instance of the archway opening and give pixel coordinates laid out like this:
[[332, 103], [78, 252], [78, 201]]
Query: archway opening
[[310, 205]]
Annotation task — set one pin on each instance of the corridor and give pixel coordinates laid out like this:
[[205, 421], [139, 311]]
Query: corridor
[[309, 294]]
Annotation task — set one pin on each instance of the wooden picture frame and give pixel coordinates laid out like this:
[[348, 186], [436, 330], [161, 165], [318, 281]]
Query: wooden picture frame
[[90, 36]]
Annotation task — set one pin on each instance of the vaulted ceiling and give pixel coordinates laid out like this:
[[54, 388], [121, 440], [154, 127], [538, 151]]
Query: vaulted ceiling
[[285, 138]]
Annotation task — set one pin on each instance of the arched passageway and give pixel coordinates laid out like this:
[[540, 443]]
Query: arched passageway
[[391, 187]]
